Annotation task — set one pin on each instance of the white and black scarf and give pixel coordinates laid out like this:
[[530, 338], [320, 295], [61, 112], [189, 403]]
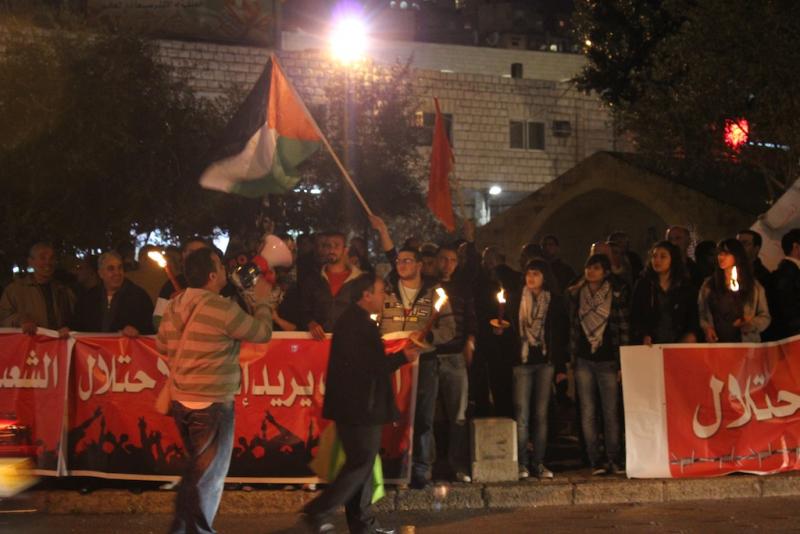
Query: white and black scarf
[[532, 313], [593, 313]]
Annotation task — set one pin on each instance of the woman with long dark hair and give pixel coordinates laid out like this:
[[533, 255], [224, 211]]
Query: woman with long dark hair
[[664, 302], [732, 304], [540, 324]]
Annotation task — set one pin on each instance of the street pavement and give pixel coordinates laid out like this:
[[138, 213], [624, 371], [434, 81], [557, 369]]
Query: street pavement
[[706, 517]]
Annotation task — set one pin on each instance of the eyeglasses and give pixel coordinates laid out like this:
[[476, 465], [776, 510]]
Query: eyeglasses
[[405, 261]]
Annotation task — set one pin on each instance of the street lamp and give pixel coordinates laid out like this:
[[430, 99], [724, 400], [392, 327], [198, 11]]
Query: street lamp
[[348, 39], [348, 44]]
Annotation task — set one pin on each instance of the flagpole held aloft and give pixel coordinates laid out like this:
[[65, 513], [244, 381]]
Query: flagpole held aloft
[[342, 168]]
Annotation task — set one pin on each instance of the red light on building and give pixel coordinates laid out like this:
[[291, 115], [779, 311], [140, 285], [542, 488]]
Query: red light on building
[[737, 133]]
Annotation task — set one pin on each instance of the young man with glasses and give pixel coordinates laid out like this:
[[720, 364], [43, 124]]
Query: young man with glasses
[[409, 307]]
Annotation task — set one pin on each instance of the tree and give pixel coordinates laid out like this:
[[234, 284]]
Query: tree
[[678, 72], [100, 140]]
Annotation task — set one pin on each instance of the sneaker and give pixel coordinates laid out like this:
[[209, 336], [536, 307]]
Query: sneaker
[[615, 469], [317, 524], [599, 470], [523, 472], [463, 477], [543, 472]]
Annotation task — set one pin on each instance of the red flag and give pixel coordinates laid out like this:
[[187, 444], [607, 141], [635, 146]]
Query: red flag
[[442, 160]]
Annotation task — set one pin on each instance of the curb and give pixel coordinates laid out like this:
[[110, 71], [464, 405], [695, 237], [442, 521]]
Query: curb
[[562, 491]]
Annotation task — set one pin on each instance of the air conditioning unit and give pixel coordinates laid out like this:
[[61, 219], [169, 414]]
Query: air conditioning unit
[[562, 128]]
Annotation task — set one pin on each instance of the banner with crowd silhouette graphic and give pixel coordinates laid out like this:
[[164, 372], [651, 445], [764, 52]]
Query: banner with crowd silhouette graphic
[[114, 431], [33, 396], [712, 409]]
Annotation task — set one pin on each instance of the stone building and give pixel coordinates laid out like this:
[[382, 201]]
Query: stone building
[[516, 131], [608, 191]]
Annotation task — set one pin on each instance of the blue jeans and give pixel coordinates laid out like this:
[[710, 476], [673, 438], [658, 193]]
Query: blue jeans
[[424, 444], [454, 392], [591, 379], [532, 383], [207, 436]]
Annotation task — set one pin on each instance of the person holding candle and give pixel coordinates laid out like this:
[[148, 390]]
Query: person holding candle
[[599, 313], [732, 304], [538, 318], [409, 306]]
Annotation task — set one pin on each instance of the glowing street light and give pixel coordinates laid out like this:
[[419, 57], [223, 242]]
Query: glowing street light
[[348, 40]]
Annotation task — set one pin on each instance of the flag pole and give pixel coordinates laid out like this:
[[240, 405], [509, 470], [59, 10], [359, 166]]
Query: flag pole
[[325, 142], [459, 193]]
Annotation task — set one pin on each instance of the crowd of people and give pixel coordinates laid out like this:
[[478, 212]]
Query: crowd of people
[[479, 356]]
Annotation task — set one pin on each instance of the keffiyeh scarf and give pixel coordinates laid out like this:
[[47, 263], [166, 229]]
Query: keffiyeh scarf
[[593, 313], [532, 313]]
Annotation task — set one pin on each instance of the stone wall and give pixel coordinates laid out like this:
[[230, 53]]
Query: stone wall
[[471, 85]]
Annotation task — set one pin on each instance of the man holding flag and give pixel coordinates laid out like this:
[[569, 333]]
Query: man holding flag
[[360, 399]]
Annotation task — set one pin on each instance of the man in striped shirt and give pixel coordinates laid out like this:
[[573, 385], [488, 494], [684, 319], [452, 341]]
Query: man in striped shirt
[[200, 333]]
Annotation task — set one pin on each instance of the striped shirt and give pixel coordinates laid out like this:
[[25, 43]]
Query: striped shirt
[[207, 368]]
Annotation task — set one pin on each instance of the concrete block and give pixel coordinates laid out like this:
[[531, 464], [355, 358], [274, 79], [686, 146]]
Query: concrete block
[[729, 487], [533, 493], [494, 449], [495, 471], [619, 491]]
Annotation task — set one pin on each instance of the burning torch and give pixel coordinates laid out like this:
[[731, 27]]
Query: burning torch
[[499, 321], [437, 308], [159, 258]]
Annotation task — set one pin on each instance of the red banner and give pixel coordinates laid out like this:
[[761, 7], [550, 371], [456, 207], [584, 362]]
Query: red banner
[[33, 394], [732, 408], [115, 432]]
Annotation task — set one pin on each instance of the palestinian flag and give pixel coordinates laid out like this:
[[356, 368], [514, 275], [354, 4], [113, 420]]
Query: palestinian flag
[[265, 141]]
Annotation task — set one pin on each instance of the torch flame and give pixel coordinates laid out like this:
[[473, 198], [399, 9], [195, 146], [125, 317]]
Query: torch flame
[[501, 296], [734, 285], [441, 300], [157, 257]]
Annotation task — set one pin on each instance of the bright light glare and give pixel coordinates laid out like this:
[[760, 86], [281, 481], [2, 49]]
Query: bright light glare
[[157, 257], [349, 39], [495, 190]]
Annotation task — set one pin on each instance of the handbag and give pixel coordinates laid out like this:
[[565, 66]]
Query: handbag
[[164, 398]]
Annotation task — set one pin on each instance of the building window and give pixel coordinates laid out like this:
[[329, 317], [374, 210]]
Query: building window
[[424, 123], [536, 135], [526, 135]]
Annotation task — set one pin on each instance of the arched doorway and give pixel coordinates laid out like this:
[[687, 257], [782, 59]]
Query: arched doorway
[[592, 216]]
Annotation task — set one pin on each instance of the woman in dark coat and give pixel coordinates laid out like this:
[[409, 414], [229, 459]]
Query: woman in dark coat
[[664, 302]]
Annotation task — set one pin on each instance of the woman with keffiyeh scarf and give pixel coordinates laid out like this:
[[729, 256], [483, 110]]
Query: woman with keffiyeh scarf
[[599, 312], [539, 322]]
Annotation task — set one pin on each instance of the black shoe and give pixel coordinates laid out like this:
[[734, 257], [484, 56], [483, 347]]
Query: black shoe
[[419, 483]]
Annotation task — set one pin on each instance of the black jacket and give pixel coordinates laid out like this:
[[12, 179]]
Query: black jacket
[[358, 389], [556, 329], [784, 305], [645, 312], [317, 304], [131, 305], [462, 303]]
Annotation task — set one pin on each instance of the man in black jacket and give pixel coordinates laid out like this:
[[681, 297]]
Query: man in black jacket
[[360, 399], [784, 304], [115, 305], [327, 293]]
